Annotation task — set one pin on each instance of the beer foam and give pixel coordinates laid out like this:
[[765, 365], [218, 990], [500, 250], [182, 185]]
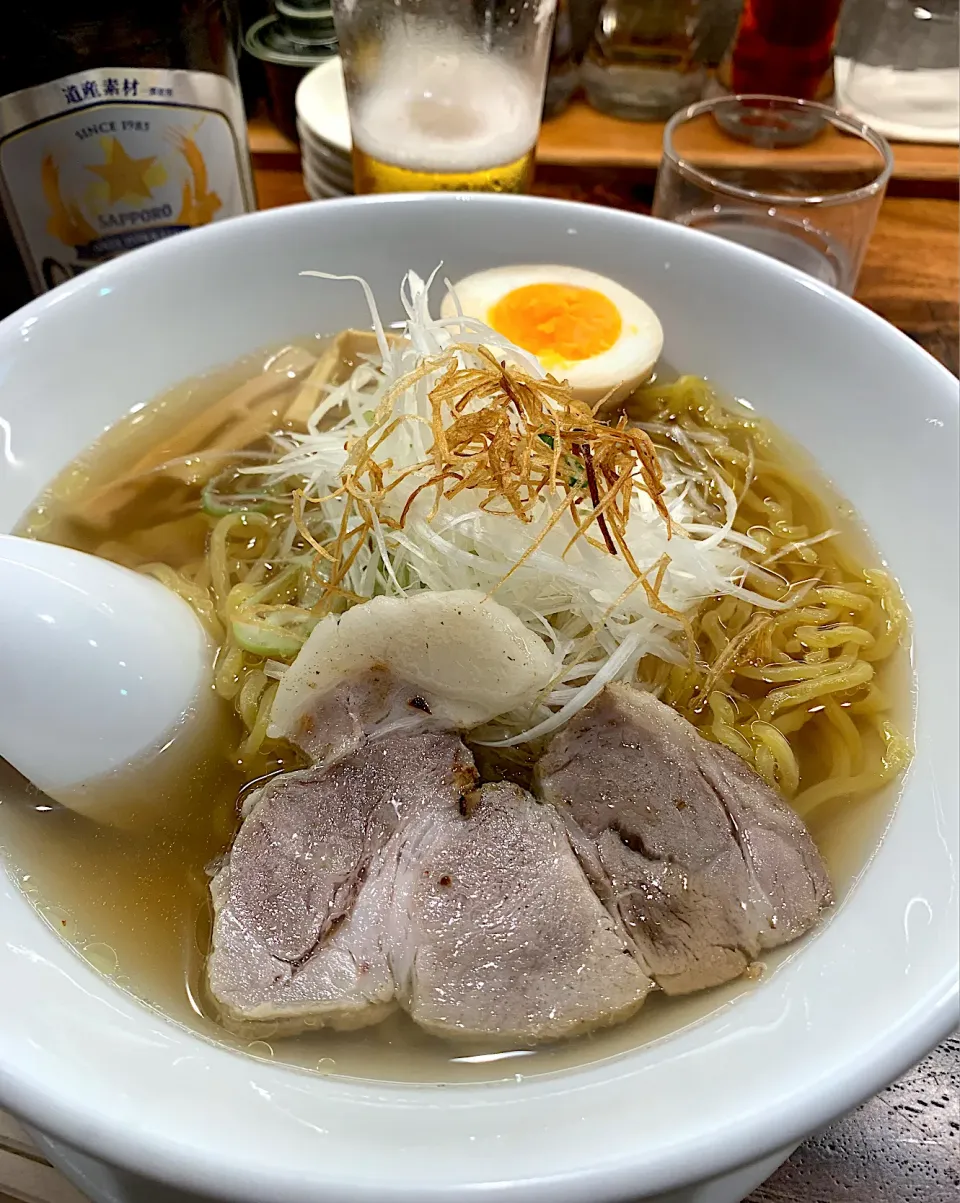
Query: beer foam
[[446, 106]]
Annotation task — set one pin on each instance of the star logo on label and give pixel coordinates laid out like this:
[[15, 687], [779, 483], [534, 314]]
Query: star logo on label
[[125, 177]]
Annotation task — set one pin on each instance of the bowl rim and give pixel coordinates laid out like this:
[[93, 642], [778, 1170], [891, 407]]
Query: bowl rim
[[892, 1051]]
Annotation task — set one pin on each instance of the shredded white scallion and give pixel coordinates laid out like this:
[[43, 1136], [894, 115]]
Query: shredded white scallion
[[593, 612]]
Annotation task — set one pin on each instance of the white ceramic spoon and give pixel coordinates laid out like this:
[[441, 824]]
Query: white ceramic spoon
[[104, 676]]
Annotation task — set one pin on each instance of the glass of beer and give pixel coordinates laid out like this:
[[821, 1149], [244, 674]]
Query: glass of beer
[[444, 94]]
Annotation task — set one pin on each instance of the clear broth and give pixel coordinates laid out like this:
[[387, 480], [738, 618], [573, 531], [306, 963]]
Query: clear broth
[[136, 906]]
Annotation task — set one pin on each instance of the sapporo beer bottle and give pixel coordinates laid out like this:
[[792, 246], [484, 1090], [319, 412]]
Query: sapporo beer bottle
[[121, 123]]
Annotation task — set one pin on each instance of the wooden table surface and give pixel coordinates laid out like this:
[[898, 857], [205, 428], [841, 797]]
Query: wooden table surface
[[904, 1145]]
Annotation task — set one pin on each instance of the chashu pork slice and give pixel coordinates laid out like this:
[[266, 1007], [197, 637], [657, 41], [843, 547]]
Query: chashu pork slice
[[700, 859], [505, 939], [381, 879], [300, 903]]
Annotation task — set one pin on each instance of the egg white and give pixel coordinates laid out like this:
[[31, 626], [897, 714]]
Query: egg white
[[615, 371]]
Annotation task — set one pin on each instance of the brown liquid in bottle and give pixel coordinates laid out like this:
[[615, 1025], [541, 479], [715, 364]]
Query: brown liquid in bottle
[[783, 48]]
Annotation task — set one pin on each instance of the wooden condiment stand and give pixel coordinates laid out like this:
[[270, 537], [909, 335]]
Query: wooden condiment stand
[[583, 138]]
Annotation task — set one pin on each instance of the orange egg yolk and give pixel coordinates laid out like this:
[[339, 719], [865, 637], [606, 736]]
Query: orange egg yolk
[[559, 323]]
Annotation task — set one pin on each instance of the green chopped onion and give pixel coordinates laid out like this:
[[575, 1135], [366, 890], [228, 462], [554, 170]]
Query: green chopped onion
[[269, 642], [572, 464], [218, 506]]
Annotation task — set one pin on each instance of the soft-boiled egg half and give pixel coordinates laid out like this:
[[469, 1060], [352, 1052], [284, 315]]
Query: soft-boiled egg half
[[583, 328]]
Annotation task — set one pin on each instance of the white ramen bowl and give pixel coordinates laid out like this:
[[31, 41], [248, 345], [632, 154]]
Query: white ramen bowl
[[852, 1007]]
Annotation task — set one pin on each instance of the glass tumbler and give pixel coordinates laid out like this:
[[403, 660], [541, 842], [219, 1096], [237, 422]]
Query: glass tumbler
[[444, 94], [813, 207]]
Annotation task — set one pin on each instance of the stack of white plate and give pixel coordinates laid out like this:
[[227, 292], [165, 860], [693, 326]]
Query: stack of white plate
[[323, 123]]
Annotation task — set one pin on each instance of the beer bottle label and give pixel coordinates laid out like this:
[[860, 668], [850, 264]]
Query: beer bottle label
[[98, 163]]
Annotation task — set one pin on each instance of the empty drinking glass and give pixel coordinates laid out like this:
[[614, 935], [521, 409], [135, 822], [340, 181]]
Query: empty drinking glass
[[813, 207]]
